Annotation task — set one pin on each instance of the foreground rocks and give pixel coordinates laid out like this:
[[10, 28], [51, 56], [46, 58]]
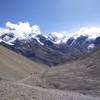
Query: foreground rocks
[[20, 91]]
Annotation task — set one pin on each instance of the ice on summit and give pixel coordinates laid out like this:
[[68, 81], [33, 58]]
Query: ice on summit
[[57, 38], [91, 33], [23, 30]]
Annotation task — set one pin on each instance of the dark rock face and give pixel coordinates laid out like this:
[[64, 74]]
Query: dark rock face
[[70, 41], [7, 37], [97, 41], [50, 55]]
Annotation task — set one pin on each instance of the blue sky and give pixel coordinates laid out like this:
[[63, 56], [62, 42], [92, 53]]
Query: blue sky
[[51, 15]]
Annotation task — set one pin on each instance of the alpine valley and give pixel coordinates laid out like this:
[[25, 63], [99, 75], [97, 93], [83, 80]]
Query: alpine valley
[[51, 49]]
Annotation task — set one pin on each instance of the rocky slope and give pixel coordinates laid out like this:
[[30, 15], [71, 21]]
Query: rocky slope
[[15, 67], [22, 79], [19, 91], [82, 76]]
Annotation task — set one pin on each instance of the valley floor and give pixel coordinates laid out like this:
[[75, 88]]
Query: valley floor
[[22, 79], [21, 91]]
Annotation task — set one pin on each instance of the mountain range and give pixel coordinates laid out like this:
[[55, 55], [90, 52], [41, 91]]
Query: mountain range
[[23, 79], [54, 48], [57, 66]]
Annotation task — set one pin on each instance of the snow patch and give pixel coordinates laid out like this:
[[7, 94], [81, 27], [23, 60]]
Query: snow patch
[[91, 46], [91, 33], [58, 38]]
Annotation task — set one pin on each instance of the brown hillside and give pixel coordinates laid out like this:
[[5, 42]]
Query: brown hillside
[[16, 67]]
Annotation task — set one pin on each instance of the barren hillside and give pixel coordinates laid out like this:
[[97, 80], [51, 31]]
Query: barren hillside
[[81, 76], [16, 67], [22, 79], [19, 91]]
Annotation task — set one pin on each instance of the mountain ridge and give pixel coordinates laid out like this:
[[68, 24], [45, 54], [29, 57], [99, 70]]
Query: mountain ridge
[[23, 79], [52, 49]]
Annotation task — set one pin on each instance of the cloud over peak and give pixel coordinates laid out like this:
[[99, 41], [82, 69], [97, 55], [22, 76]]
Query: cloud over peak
[[91, 32], [21, 30]]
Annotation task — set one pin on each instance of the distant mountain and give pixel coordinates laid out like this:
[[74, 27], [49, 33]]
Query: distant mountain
[[54, 48]]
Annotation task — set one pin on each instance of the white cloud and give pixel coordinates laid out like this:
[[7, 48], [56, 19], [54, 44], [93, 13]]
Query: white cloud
[[91, 32], [21, 30], [22, 27], [24, 30], [36, 29]]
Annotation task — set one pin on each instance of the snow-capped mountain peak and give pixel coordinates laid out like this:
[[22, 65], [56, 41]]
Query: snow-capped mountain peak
[[91, 33], [19, 31], [57, 38], [24, 31]]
